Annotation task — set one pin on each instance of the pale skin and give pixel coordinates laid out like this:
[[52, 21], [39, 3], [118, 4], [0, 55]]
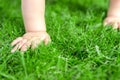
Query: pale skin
[[113, 16], [34, 21]]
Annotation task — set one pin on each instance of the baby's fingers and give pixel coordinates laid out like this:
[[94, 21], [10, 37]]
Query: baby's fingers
[[35, 42], [16, 41], [115, 25], [21, 43], [25, 46], [47, 40], [15, 48]]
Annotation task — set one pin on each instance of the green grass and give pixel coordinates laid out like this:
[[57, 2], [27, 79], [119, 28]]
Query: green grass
[[81, 48]]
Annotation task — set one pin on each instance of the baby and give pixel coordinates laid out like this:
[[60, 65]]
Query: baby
[[34, 20]]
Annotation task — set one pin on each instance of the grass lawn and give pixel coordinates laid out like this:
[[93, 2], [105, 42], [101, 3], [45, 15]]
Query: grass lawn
[[81, 48]]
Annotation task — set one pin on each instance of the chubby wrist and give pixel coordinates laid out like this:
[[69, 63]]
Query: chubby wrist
[[36, 30], [35, 25]]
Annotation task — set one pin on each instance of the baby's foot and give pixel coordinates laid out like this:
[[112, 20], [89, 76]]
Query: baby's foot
[[113, 17], [32, 39]]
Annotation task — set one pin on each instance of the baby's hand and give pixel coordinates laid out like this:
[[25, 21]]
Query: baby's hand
[[113, 21], [32, 39], [113, 15]]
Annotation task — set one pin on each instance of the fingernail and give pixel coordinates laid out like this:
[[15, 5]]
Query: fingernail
[[12, 51], [11, 44], [105, 24], [115, 26]]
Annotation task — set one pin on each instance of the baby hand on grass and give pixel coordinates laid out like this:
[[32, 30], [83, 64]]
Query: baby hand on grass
[[113, 15], [30, 39], [113, 21]]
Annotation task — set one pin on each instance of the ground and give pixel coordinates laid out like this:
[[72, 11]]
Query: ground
[[81, 48]]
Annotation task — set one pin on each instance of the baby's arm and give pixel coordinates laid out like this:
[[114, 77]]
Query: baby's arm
[[33, 15], [113, 16]]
